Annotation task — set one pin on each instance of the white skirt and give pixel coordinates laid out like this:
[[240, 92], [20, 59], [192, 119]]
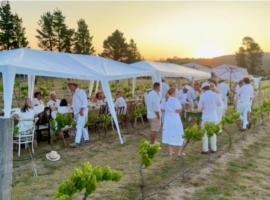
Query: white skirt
[[172, 130]]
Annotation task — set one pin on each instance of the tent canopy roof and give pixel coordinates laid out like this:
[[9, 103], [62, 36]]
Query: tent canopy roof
[[172, 70], [198, 67], [65, 65]]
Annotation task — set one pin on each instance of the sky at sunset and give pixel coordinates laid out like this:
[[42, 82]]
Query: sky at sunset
[[162, 29]]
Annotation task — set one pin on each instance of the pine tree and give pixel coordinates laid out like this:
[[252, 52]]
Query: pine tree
[[133, 53], [83, 40], [12, 33], [46, 37], [19, 30], [54, 34], [115, 47]]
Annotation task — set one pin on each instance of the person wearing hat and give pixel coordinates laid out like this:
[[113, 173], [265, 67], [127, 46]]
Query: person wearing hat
[[80, 110], [53, 103], [245, 98], [209, 104]]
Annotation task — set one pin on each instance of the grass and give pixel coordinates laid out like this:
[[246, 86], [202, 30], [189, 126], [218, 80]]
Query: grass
[[105, 151], [244, 178]]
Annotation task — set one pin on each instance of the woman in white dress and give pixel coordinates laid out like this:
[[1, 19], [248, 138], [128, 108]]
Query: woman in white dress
[[25, 116], [172, 127]]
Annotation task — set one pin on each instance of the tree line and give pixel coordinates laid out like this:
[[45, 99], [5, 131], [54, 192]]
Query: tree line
[[53, 34]]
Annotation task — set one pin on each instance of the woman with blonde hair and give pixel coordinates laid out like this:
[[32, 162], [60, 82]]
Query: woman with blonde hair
[[172, 127]]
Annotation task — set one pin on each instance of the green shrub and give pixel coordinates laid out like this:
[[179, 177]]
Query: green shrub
[[85, 179]]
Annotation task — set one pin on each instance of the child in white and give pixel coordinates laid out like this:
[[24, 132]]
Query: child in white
[[209, 104], [172, 127]]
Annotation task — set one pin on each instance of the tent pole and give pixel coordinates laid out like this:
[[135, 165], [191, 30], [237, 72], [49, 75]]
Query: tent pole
[[97, 85], [8, 83], [108, 94], [31, 86], [133, 86], [90, 88]]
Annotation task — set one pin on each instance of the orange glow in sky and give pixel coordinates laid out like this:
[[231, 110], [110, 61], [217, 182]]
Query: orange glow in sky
[[162, 29]]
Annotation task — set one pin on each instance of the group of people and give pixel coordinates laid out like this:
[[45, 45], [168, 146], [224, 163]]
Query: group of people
[[165, 104], [79, 107]]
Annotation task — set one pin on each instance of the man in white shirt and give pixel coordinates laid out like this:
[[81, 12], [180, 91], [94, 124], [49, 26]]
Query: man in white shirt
[[53, 103], [120, 103], [191, 95], [209, 103], [80, 110], [153, 111], [224, 88], [182, 96], [164, 88], [246, 95]]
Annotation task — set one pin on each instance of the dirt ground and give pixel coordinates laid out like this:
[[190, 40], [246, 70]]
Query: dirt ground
[[239, 173]]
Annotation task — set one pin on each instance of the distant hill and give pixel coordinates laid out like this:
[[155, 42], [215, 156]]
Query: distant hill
[[212, 62]]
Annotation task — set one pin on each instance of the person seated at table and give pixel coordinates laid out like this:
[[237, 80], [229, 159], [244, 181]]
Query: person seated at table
[[63, 108], [100, 100], [25, 116], [120, 102], [37, 103], [53, 103]]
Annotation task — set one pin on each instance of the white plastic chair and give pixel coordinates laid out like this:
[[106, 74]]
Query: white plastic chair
[[26, 137]]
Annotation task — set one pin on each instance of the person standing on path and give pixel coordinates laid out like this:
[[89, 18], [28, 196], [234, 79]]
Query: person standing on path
[[246, 95], [80, 109], [209, 104], [173, 131], [153, 100]]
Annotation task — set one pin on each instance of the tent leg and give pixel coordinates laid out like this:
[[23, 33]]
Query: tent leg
[[108, 94], [8, 83], [31, 86], [133, 86]]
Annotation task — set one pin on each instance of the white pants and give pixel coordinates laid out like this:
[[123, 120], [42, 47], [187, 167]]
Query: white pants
[[244, 109], [80, 130], [213, 141]]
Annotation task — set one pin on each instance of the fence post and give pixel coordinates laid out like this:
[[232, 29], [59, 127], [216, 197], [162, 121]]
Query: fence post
[[6, 158]]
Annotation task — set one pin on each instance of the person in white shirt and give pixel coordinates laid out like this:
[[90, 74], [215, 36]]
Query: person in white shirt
[[153, 111], [173, 131], [25, 116], [236, 93], [53, 103], [63, 108], [120, 103], [224, 88], [191, 95], [220, 110], [246, 95], [182, 96], [37, 103], [209, 104], [164, 88], [80, 110]]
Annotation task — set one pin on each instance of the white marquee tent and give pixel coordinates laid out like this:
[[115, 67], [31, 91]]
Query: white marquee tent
[[198, 67], [170, 70], [230, 72], [62, 65]]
